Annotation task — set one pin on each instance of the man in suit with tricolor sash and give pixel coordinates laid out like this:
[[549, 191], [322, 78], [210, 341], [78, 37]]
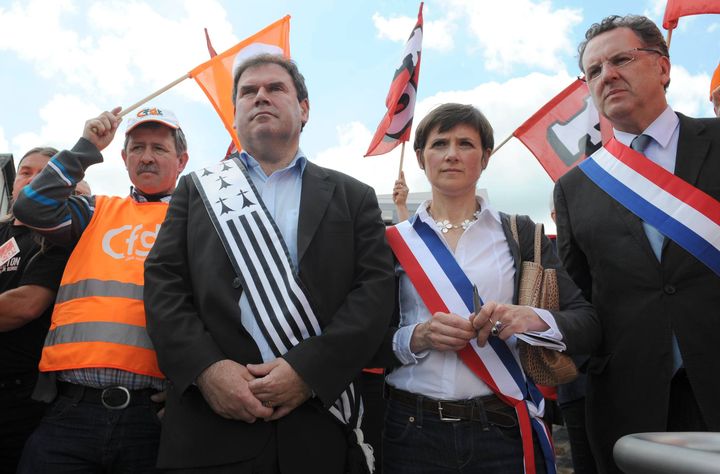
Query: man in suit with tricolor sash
[[638, 230]]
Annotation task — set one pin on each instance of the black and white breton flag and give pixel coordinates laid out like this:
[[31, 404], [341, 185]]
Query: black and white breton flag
[[261, 260]]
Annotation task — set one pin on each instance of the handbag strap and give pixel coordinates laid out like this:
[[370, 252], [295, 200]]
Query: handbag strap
[[538, 243], [538, 237]]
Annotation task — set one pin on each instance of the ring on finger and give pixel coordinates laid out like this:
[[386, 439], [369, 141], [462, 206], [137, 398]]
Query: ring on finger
[[496, 328], [267, 404]]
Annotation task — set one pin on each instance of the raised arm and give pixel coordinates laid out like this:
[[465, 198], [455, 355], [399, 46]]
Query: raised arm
[[47, 204]]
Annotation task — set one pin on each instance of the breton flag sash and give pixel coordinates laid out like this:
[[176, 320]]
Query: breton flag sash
[[444, 287], [676, 208], [261, 260]]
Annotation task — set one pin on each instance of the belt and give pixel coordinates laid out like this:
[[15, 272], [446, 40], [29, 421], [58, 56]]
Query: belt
[[116, 397], [496, 411]]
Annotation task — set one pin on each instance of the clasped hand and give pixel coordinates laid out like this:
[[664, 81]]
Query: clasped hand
[[451, 332], [248, 392]]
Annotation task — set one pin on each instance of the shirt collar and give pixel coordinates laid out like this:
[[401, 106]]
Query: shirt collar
[[137, 196], [300, 161], [485, 207], [661, 130]]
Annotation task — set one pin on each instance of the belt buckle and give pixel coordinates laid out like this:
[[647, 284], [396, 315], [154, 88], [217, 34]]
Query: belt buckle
[[108, 392], [443, 417]]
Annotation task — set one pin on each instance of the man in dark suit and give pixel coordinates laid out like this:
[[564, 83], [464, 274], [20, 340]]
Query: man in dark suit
[[232, 405], [656, 366]]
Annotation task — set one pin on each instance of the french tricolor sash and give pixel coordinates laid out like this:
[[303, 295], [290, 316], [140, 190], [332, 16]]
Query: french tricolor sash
[[679, 210], [261, 260], [444, 287]]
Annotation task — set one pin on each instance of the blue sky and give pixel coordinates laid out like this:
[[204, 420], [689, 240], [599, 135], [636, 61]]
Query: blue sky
[[64, 61]]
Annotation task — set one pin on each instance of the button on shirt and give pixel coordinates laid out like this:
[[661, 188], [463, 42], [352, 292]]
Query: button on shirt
[[483, 253], [280, 193]]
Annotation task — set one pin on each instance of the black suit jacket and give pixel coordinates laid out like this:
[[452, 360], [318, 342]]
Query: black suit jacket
[[641, 302], [191, 300]]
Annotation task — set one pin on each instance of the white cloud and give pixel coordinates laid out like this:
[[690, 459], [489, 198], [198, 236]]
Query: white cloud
[[713, 27], [508, 33], [437, 34], [514, 180], [115, 47], [519, 32], [689, 93], [63, 121], [656, 10]]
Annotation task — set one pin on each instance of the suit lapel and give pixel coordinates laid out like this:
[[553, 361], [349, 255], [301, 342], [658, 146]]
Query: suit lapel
[[314, 199], [634, 225], [692, 150]]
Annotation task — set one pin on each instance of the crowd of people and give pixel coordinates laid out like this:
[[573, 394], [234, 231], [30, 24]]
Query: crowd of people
[[219, 322]]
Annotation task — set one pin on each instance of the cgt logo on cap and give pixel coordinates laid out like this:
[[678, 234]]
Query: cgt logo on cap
[[153, 114], [146, 112]]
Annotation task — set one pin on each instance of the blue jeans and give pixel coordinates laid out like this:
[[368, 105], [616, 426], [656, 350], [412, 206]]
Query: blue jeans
[[83, 437], [417, 442]]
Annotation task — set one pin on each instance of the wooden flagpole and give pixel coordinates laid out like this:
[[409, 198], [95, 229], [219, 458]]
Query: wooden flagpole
[[140, 102], [501, 144], [402, 157], [669, 37]]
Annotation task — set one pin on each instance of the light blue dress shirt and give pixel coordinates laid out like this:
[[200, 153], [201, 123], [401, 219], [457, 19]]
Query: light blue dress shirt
[[280, 193]]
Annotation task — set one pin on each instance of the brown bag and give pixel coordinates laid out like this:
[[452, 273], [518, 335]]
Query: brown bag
[[539, 289]]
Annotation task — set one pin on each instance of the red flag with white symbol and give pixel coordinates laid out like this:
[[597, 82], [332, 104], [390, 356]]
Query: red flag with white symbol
[[565, 130], [397, 122]]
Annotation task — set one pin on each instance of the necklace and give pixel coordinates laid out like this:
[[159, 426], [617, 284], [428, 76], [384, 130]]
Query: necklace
[[445, 225]]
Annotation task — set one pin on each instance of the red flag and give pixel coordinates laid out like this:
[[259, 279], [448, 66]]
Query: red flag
[[564, 131], [215, 76], [397, 122], [232, 148], [211, 50], [677, 8]]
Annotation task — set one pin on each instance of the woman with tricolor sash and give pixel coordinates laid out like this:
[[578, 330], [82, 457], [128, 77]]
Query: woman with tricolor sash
[[459, 400]]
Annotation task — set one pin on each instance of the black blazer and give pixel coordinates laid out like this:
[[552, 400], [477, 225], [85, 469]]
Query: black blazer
[[640, 302], [193, 318]]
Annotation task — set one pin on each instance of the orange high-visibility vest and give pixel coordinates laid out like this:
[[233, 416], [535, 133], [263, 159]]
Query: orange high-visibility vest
[[99, 317]]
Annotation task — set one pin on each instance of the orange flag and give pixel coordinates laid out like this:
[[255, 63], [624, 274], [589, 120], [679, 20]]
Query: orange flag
[[215, 77]]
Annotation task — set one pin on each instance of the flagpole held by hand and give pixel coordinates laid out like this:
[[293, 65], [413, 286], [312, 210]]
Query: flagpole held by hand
[[402, 157], [140, 102]]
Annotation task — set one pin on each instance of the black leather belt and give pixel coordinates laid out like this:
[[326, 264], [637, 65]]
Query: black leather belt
[[496, 411], [113, 398]]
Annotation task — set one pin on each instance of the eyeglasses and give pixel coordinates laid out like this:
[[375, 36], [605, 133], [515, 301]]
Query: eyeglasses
[[618, 61]]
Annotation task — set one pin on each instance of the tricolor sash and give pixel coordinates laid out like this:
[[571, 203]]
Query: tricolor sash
[[679, 210], [261, 260], [444, 287]]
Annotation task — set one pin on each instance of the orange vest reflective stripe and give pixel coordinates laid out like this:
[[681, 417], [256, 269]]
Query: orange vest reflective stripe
[[99, 317]]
